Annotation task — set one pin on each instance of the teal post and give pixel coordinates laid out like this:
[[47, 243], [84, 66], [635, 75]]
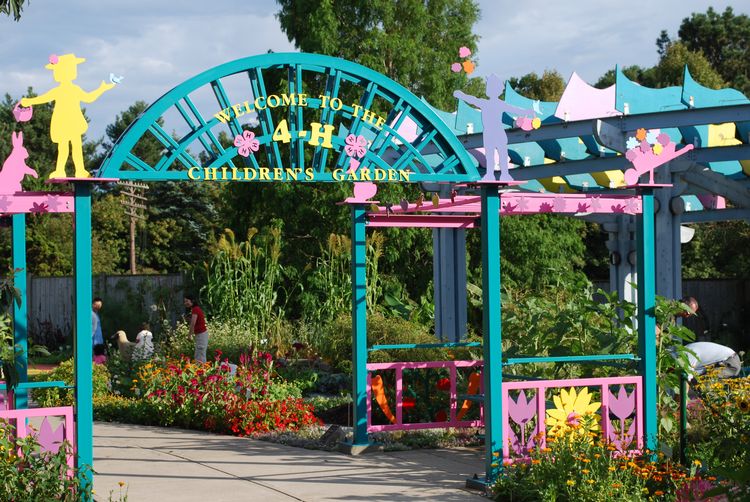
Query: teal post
[[646, 319], [493, 369], [20, 310], [82, 341], [359, 325]]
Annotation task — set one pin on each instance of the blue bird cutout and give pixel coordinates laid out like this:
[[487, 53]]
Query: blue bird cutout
[[115, 79]]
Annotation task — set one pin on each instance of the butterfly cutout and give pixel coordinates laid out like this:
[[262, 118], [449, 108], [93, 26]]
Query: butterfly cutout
[[246, 143]]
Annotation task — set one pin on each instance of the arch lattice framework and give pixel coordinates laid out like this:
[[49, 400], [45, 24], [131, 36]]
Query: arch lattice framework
[[435, 155]]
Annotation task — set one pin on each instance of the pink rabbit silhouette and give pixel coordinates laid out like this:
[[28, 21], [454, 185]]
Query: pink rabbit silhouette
[[14, 167]]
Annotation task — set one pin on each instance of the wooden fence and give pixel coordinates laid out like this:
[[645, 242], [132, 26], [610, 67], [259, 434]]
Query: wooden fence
[[129, 300]]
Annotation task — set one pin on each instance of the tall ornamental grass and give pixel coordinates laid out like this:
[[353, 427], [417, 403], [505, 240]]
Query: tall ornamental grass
[[244, 280]]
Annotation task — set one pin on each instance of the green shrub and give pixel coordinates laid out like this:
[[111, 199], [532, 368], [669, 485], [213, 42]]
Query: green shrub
[[229, 339], [26, 473], [334, 343], [111, 408], [64, 397]]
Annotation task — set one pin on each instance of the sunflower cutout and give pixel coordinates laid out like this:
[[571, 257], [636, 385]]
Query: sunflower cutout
[[573, 412]]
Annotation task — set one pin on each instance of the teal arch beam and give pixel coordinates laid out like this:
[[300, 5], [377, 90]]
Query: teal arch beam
[[113, 163], [20, 308], [296, 114], [224, 102], [333, 85], [206, 146], [365, 102], [258, 85], [205, 126]]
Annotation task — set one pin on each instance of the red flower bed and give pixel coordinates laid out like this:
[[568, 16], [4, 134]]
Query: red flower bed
[[212, 397]]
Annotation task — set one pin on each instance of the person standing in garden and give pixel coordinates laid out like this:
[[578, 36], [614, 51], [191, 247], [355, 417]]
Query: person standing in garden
[[197, 327], [96, 331]]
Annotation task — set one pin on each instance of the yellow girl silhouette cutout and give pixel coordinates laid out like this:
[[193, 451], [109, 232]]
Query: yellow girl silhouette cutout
[[68, 123]]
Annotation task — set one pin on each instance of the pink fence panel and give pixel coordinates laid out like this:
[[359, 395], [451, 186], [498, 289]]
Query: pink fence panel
[[49, 439], [524, 417], [399, 367]]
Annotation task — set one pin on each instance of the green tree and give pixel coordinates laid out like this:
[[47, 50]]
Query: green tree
[[724, 39], [413, 42], [548, 87], [12, 8], [182, 218], [670, 69]]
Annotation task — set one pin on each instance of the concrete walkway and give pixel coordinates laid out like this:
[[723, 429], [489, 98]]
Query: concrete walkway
[[159, 464]]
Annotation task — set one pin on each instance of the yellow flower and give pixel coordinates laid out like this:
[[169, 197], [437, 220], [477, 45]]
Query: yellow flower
[[697, 463], [590, 481], [570, 482], [611, 469], [570, 406], [657, 149], [743, 405], [121, 483], [585, 471]]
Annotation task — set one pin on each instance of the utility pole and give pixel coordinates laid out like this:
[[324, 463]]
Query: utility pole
[[135, 208]]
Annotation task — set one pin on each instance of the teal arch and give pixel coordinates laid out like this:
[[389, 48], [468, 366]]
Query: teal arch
[[435, 155]]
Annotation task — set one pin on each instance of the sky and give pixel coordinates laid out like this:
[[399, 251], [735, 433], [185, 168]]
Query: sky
[[158, 44]]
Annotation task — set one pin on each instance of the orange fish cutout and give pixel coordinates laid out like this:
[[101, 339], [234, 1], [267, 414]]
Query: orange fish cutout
[[474, 380], [378, 390]]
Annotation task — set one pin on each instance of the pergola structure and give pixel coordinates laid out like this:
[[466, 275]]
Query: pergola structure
[[303, 130]]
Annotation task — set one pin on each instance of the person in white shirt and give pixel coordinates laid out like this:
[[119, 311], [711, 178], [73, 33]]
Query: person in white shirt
[[144, 344], [704, 355]]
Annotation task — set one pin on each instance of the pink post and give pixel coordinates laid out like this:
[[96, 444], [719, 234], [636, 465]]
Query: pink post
[[399, 395], [454, 395], [606, 424]]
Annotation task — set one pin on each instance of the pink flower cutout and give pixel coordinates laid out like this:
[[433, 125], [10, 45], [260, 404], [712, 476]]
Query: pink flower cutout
[[464, 52], [456, 67], [53, 59], [355, 146], [246, 143], [39, 208]]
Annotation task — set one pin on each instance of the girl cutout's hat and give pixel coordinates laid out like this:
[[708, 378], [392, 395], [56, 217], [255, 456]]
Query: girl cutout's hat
[[64, 60]]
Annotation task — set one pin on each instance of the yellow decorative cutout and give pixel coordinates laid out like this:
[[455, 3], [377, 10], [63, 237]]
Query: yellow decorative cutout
[[68, 123], [573, 412], [726, 135]]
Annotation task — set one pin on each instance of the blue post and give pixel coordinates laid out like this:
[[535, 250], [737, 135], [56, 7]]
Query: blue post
[[646, 319], [493, 369], [20, 310], [82, 341], [359, 325]]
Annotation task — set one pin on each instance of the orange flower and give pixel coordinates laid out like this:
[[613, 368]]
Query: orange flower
[[640, 134]]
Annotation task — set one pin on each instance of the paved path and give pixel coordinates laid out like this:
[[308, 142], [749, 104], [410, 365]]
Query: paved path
[[163, 465]]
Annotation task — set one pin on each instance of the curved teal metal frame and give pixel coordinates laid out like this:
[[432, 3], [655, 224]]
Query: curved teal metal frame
[[451, 163]]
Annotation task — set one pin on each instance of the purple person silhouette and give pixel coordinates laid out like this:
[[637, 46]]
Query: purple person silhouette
[[494, 137]]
